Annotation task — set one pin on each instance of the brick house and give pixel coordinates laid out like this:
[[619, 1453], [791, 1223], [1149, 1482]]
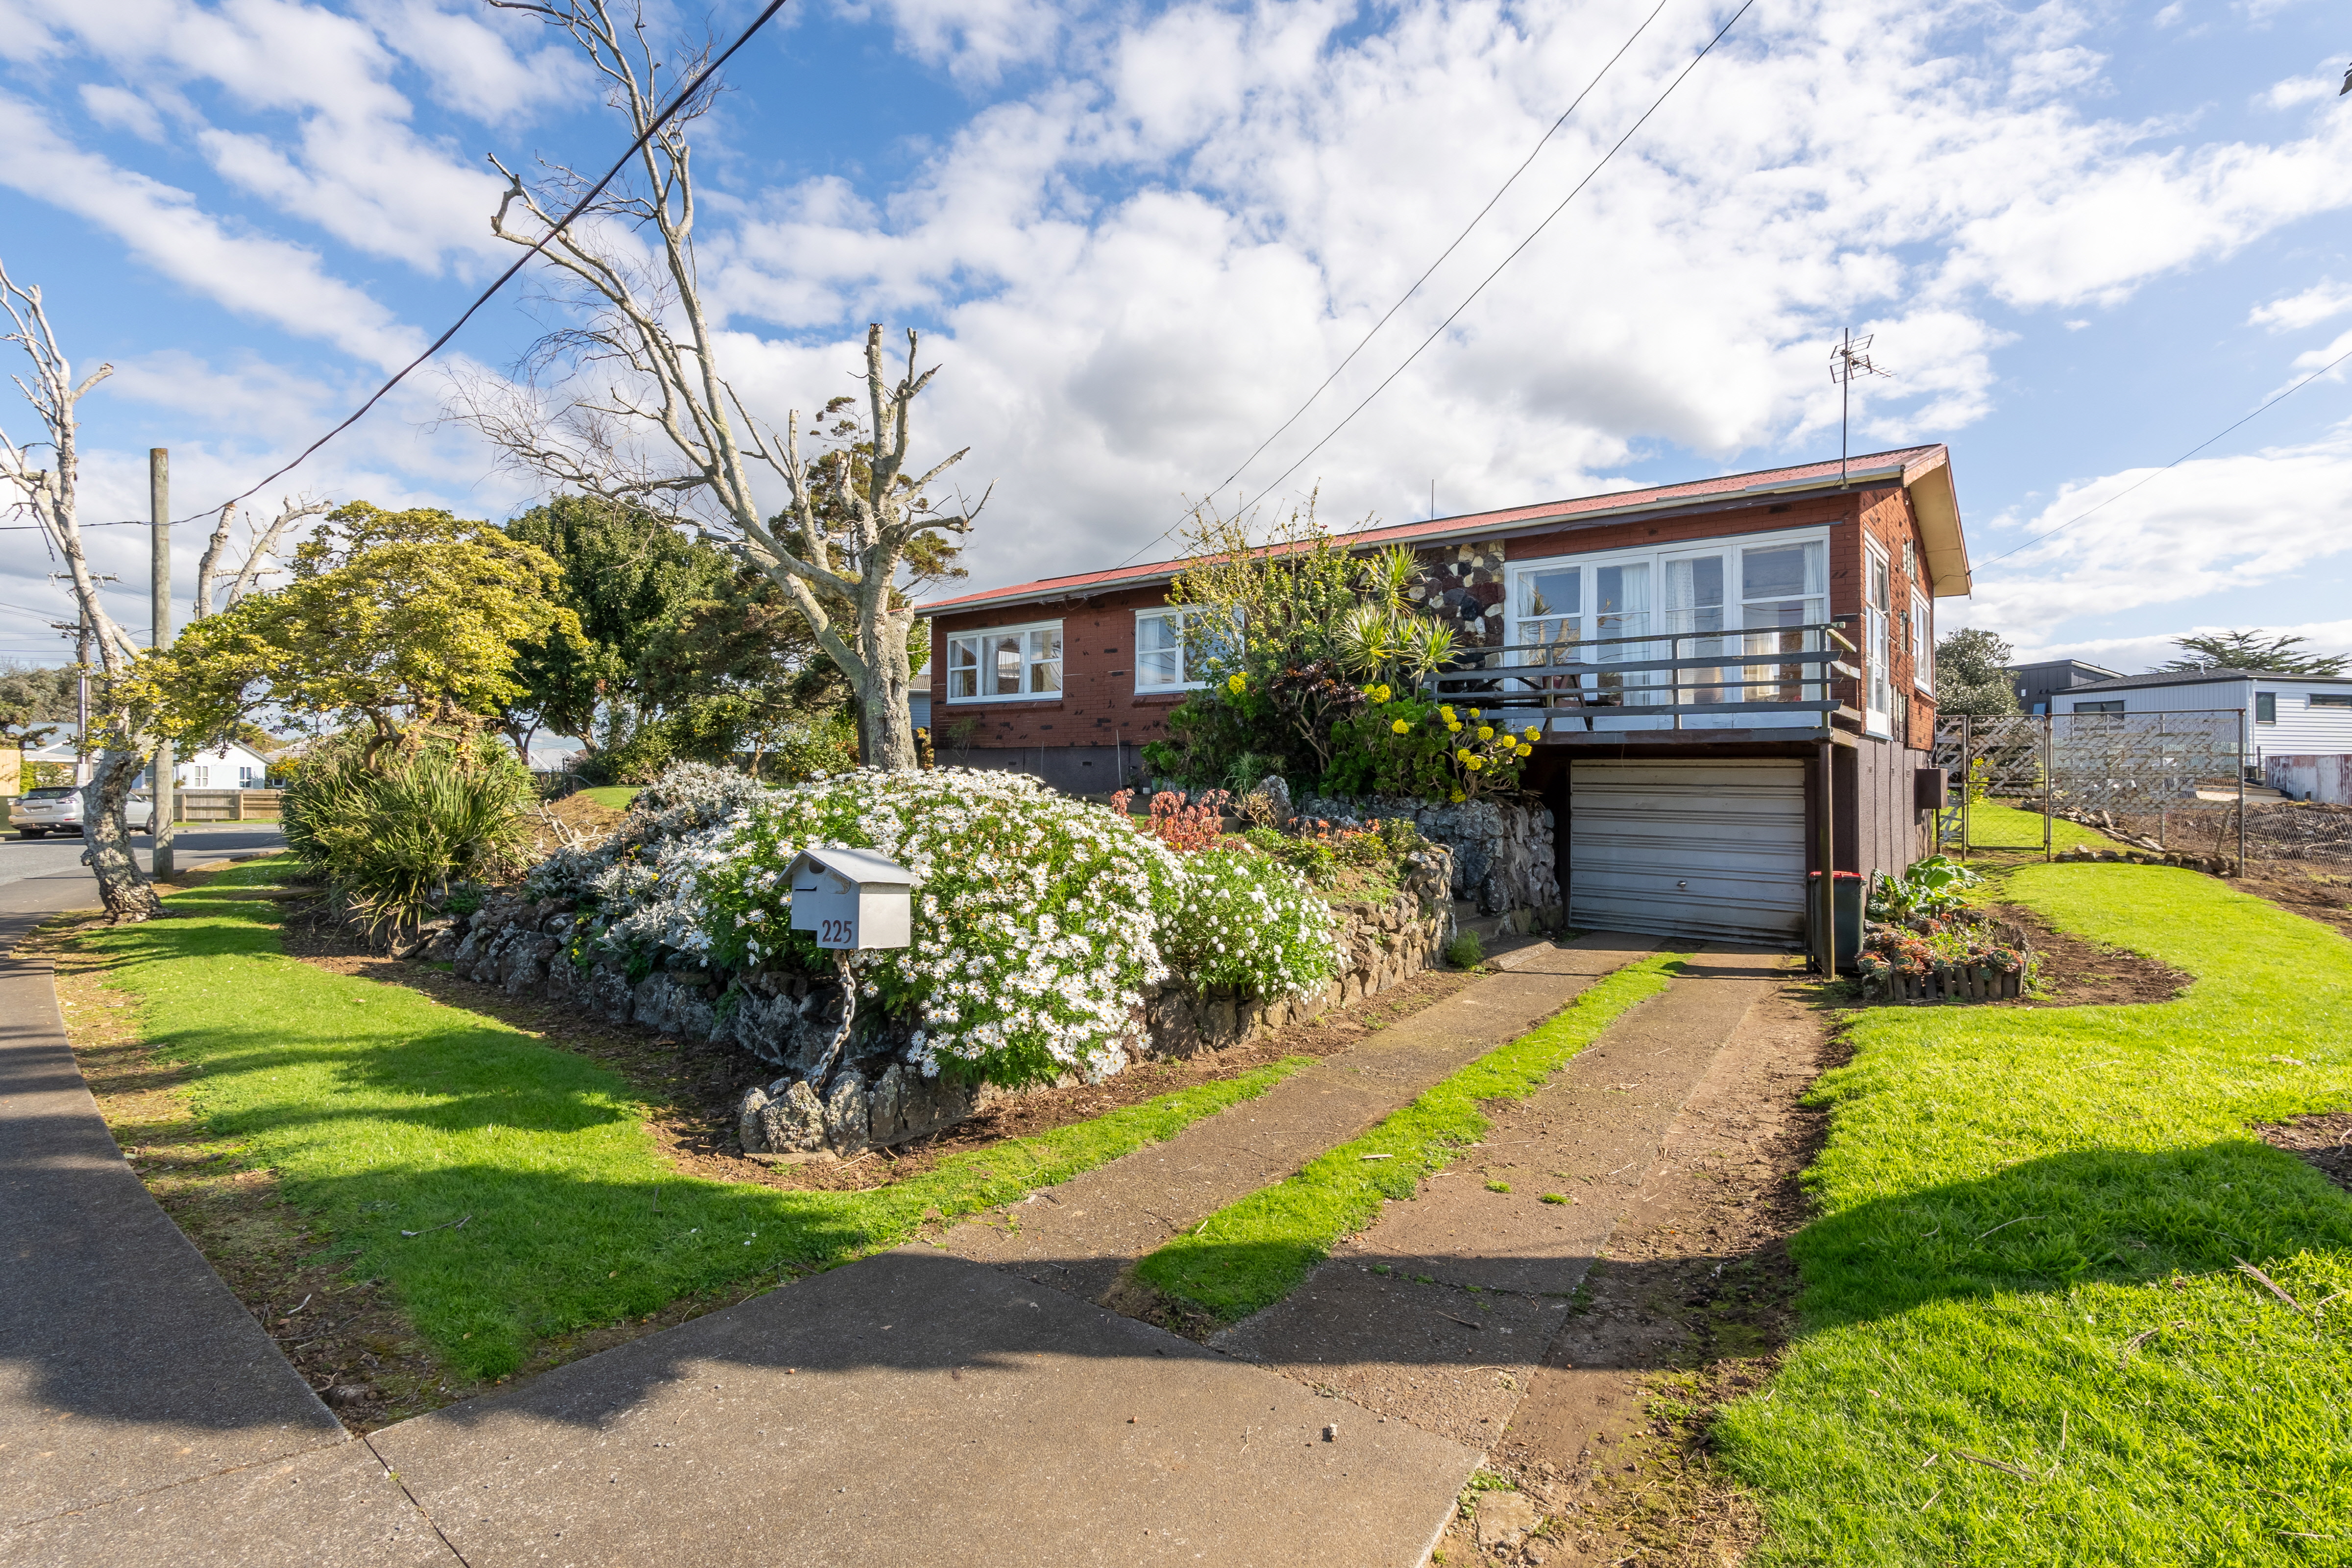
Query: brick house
[[1691, 785]]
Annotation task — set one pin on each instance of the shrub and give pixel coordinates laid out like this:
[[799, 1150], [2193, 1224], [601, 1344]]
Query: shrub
[[1037, 924], [1246, 922], [1402, 746], [393, 839], [1464, 951]]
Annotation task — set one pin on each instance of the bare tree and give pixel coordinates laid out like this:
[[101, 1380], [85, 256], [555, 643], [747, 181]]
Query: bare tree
[[630, 401], [260, 547], [51, 496]]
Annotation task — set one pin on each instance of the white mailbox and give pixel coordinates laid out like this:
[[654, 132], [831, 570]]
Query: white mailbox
[[853, 899]]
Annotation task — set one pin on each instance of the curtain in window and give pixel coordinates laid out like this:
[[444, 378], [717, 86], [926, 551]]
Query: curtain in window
[[1621, 600], [1693, 602]]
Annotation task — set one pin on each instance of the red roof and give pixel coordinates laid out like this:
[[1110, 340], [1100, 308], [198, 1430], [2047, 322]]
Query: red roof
[[1909, 462]]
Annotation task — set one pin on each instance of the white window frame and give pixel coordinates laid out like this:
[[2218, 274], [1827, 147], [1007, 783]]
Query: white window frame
[[1179, 614], [1923, 643], [1654, 558], [1877, 642], [1029, 663]]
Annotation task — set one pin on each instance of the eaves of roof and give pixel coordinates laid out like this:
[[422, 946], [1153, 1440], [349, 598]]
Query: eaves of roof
[[1925, 471], [2204, 677]]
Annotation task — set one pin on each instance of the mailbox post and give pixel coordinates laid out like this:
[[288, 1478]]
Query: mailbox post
[[850, 899]]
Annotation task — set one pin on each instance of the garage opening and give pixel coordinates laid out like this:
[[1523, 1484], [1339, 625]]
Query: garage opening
[[1689, 849]]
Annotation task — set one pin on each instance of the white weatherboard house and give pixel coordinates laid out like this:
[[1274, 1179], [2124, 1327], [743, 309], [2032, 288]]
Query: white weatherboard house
[[2298, 727], [231, 766]]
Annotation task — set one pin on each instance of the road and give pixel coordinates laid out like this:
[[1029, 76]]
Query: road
[[54, 857]]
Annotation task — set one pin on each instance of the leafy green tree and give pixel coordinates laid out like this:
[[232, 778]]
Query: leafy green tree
[[2253, 650], [1973, 675], [405, 621], [34, 700], [626, 574]]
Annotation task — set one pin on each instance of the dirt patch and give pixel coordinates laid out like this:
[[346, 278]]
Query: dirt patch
[[2079, 972], [575, 821], [2322, 896], [1687, 1311], [2323, 1142]]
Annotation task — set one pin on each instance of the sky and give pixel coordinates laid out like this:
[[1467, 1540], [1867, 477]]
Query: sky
[[2084, 238]]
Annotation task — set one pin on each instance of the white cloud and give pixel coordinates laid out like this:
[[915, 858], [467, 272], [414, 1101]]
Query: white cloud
[[2314, 359], [2210, 526], [119, 110], [2316, 304], [353, 164], [2297, 89], [252, 275]]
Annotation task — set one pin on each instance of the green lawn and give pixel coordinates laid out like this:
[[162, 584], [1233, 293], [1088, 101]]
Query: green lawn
[[616, 797], [2027, 1222], [383, 1112], [1995, 826], [1253, 1252]]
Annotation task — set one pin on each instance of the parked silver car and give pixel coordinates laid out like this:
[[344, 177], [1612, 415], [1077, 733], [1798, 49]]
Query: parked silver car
[[56, 808]]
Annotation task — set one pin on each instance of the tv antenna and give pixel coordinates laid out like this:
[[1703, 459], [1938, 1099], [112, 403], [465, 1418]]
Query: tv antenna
[[1850, 358]]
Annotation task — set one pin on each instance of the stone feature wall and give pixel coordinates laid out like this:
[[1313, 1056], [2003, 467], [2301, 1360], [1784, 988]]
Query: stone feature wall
[[1462, 586], [786, 1021], [1502, 849]]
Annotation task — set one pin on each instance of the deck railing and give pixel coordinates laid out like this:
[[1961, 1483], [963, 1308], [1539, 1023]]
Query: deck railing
[[1670, 676]]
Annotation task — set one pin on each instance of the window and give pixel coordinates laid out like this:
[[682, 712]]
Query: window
[[2266, 707], [1558, 606], [203, 778], [1162, 661], [1878, 600], [1923, 643], [1005, 663], [245, 777], [2110, 705], [1782, 587], [2331, 700]]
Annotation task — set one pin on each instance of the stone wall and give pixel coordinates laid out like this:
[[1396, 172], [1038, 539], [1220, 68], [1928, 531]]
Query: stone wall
[[786, 1021], [1503, 855]]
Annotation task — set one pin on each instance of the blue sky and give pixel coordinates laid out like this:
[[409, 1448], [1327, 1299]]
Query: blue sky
[[2086, 235]]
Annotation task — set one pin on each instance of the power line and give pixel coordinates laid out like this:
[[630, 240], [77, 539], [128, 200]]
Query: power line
[[538, 245], [1513, 256], [1490, 277], [1541, 142], [2176, 462]]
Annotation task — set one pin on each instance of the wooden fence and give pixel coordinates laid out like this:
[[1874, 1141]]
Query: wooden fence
[[224, 805]]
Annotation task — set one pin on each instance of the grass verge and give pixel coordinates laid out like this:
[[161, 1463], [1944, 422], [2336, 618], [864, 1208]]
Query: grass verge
[[1253, 1252], [506, 1189], [1992, 826], [2025, 1337], [616, 797]]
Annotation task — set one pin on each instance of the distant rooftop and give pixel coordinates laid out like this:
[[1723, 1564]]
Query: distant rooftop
[[2201, 678]]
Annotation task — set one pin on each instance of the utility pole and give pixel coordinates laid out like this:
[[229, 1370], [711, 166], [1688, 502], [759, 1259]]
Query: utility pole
[[159, 512]]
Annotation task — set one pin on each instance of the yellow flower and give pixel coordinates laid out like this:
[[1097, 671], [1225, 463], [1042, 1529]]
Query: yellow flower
[[1401, 728], [1385, 692], [1455, 725], [1525, 750], [1461, 756], [1237, 683], [1474, 763], [1535, 733], [1474, 712], [1485, 731], [1447, 714], [1457, 797]]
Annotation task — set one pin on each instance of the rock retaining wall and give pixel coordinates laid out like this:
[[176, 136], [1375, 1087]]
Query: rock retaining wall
[[1502, 850], [787, 1020]]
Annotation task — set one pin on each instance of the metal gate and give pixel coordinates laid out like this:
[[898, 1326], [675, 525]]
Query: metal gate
[[2161, 769], [1689, 849]]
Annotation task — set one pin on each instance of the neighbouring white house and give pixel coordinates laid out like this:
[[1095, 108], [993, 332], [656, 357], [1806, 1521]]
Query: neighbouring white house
[[2298, 727], [234, 765]]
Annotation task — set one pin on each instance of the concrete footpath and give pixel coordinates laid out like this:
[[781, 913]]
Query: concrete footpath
[[930, 1405], [1081, 1236], [125, 1363]]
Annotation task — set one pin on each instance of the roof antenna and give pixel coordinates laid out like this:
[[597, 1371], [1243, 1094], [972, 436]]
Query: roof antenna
[[1849, 359]]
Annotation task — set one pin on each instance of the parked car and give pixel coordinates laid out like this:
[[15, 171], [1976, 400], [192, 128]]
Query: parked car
[[56, 808]]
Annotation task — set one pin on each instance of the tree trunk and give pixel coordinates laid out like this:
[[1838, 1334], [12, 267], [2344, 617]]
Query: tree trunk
[[127, 895], [886, 736]]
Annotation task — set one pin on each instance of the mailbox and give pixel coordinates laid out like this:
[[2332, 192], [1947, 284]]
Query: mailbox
[[852, 898]]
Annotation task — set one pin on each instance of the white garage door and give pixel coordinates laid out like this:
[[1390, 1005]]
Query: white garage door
[[1688, 848]]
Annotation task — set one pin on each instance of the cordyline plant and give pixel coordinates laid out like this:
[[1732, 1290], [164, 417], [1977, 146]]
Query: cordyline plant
[[630, 401]]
